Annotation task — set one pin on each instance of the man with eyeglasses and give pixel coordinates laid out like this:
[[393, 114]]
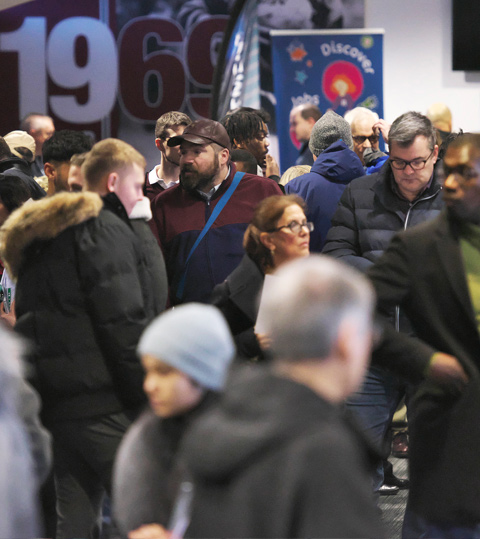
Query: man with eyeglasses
[[366, 129], [405, 192], [432, 271], [167, 172]]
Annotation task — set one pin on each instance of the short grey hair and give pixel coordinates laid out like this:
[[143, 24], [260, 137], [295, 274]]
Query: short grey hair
[[358, 113], [330, 128], [410, 125], [307, 303]]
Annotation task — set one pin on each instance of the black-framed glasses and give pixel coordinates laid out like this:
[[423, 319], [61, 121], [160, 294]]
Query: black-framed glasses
[[360, 139], [295, 227], [415, 164]]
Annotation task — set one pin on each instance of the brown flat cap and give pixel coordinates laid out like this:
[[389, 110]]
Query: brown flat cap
[[203, 132]]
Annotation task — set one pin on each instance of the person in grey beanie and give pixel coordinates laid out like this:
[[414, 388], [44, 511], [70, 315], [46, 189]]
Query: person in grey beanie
[[186, 353], [327, 130], [335, 166]]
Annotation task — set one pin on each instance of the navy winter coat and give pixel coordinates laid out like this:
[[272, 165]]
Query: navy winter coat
[[322, 187]]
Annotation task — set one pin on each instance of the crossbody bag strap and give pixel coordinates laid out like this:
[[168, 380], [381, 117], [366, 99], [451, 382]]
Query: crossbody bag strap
[[215, 213]]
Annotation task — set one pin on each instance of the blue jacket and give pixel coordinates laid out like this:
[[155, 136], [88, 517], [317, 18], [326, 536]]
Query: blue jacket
[[322, 187]]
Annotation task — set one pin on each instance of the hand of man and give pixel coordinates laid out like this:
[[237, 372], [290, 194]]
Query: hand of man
[[384, 128], [446, 370], [271, 169], [264, 340], [150, 531]]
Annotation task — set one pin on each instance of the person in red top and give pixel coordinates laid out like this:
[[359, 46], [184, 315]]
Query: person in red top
[[181, 213]]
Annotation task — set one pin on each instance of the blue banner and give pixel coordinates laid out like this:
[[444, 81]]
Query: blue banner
[[336, 70]]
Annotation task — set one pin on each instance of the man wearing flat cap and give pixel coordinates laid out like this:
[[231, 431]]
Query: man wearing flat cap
[[200, 251]]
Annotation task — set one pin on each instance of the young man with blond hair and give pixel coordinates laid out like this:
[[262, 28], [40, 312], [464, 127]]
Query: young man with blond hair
[[83, 298]]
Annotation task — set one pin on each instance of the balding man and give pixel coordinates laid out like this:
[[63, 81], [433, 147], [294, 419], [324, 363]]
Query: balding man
[[41, 128], [441, 117], [302, 119], [364, 133]]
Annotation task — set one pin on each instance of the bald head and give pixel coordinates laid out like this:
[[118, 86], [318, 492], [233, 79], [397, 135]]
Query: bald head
[[440, 116]]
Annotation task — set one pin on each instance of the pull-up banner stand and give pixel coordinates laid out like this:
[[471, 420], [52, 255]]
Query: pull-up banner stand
[[334, 69]]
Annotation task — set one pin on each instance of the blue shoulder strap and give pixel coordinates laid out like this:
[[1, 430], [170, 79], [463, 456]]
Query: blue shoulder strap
[[215, 213]]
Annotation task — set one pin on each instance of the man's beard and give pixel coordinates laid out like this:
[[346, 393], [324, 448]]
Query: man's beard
[[462, 212], [196, 180]]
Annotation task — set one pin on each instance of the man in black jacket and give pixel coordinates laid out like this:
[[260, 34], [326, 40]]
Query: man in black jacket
[[405, 192], [432, 271], [83, 300]]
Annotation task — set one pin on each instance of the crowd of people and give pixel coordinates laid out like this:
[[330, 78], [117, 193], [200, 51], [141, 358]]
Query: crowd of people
[[210, 349]]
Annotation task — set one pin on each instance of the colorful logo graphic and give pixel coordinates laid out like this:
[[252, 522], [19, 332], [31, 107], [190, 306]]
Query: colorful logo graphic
[[297, 51], [366, 42], [342, 84], [301, 77]]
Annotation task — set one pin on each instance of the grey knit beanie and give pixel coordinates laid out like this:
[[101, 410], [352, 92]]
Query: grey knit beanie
[[330, 128], [193, 338]]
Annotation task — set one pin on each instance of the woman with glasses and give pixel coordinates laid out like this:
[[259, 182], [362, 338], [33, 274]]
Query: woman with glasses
[[279, 232]]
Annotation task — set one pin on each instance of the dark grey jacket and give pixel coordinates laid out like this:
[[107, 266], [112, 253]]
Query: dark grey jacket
[[370, 213]]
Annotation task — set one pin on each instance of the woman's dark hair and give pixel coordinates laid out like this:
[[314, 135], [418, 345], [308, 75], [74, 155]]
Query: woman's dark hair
[[266, 217]]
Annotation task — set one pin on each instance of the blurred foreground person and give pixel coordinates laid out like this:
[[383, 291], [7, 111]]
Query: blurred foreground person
[[432, 271], [25, 452], [183, 373], [277, 458]]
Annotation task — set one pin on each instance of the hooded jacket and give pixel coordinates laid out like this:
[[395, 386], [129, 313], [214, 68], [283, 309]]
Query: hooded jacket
[[322, 187], [82, 301], [276, 460], [14, 166]]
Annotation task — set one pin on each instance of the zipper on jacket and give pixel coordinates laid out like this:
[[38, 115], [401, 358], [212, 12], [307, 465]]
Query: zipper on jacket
[[433, 195], [405, 226]]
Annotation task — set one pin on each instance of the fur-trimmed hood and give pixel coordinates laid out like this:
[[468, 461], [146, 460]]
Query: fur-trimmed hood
[[43, 220]]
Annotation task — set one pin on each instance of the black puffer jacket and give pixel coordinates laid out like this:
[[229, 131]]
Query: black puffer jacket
[[370, 213], [81, 303]]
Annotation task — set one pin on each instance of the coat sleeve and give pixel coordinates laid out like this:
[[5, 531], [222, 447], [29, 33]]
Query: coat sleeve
[[343, 237], [39, 437], [110, 270], [241, 327], [392, 277]]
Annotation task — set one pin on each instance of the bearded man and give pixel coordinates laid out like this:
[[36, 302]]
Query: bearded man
[[180, 214]]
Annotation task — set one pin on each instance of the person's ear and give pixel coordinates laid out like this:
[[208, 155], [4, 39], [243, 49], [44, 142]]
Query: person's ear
[[224, 156], [112, 180], [435, 153], [267, 241], [50, 171], [160, 144], [237, 145]]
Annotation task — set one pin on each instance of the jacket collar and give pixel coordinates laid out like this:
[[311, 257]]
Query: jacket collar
[[43, 220]]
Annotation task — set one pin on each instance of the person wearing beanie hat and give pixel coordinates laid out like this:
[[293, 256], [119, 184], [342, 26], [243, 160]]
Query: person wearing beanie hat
[[186, 353], [335, 166], [327, 130], [199, 356]]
